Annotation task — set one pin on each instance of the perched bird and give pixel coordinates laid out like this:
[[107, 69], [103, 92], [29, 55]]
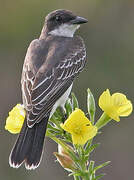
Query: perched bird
[[51, 64]]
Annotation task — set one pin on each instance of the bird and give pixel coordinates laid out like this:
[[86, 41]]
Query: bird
[[51, 64]]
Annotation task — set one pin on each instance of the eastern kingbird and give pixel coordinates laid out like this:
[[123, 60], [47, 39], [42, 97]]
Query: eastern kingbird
[[51, 64]]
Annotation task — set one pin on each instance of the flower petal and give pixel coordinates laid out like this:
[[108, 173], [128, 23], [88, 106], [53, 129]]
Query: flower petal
[[78, 139], [91, 131], [80, 127], [115, 105], [105, 100], [14, 121], [84, 137], [124, 105], [126, 109], [76, 119], [106, 104]]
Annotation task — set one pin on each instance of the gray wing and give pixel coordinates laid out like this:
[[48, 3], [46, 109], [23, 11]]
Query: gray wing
[[42, 88]]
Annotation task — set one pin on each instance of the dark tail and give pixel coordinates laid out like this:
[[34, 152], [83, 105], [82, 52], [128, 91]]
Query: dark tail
[[29, 145]]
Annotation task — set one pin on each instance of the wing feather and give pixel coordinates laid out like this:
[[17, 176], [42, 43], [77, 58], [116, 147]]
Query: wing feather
[[42, 89]]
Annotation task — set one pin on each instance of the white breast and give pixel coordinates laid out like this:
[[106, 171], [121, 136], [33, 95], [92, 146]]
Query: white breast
[[66, 30], [61, 101]]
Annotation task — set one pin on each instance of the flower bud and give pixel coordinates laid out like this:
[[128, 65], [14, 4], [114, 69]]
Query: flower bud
[[64, 159], [62, 151]]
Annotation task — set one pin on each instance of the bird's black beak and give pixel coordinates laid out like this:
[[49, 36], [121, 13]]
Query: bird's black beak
[[78, 20]]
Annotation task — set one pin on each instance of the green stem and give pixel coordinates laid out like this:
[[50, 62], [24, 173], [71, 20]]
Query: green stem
[[104, 119], [76, 177], [89, 144], [86, 177]]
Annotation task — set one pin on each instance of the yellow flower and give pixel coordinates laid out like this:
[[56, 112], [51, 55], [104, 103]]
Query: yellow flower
[[115, 105], [15, 119], [80, 127]]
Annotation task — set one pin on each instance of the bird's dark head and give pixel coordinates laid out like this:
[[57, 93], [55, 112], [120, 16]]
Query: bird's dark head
[[63, 23]]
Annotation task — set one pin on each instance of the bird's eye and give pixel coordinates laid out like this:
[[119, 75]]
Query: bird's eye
[[58, 18]]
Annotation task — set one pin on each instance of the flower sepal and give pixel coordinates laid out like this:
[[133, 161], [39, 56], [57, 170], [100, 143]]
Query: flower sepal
[[103, 121]]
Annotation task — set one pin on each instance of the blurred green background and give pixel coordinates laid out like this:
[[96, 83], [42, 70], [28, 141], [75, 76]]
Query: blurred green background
[[109, 38]]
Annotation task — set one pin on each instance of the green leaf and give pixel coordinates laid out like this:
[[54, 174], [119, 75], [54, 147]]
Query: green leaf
[[101, 165], [91, 167], [91, 105], [68, 107], [73, 156], [75, 174], [50, 127], [91, 148], [67, 136], [93, 175], [86, 157], [56, 117], [75, 103], [88, 144], [99, 176], [60, 111]]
